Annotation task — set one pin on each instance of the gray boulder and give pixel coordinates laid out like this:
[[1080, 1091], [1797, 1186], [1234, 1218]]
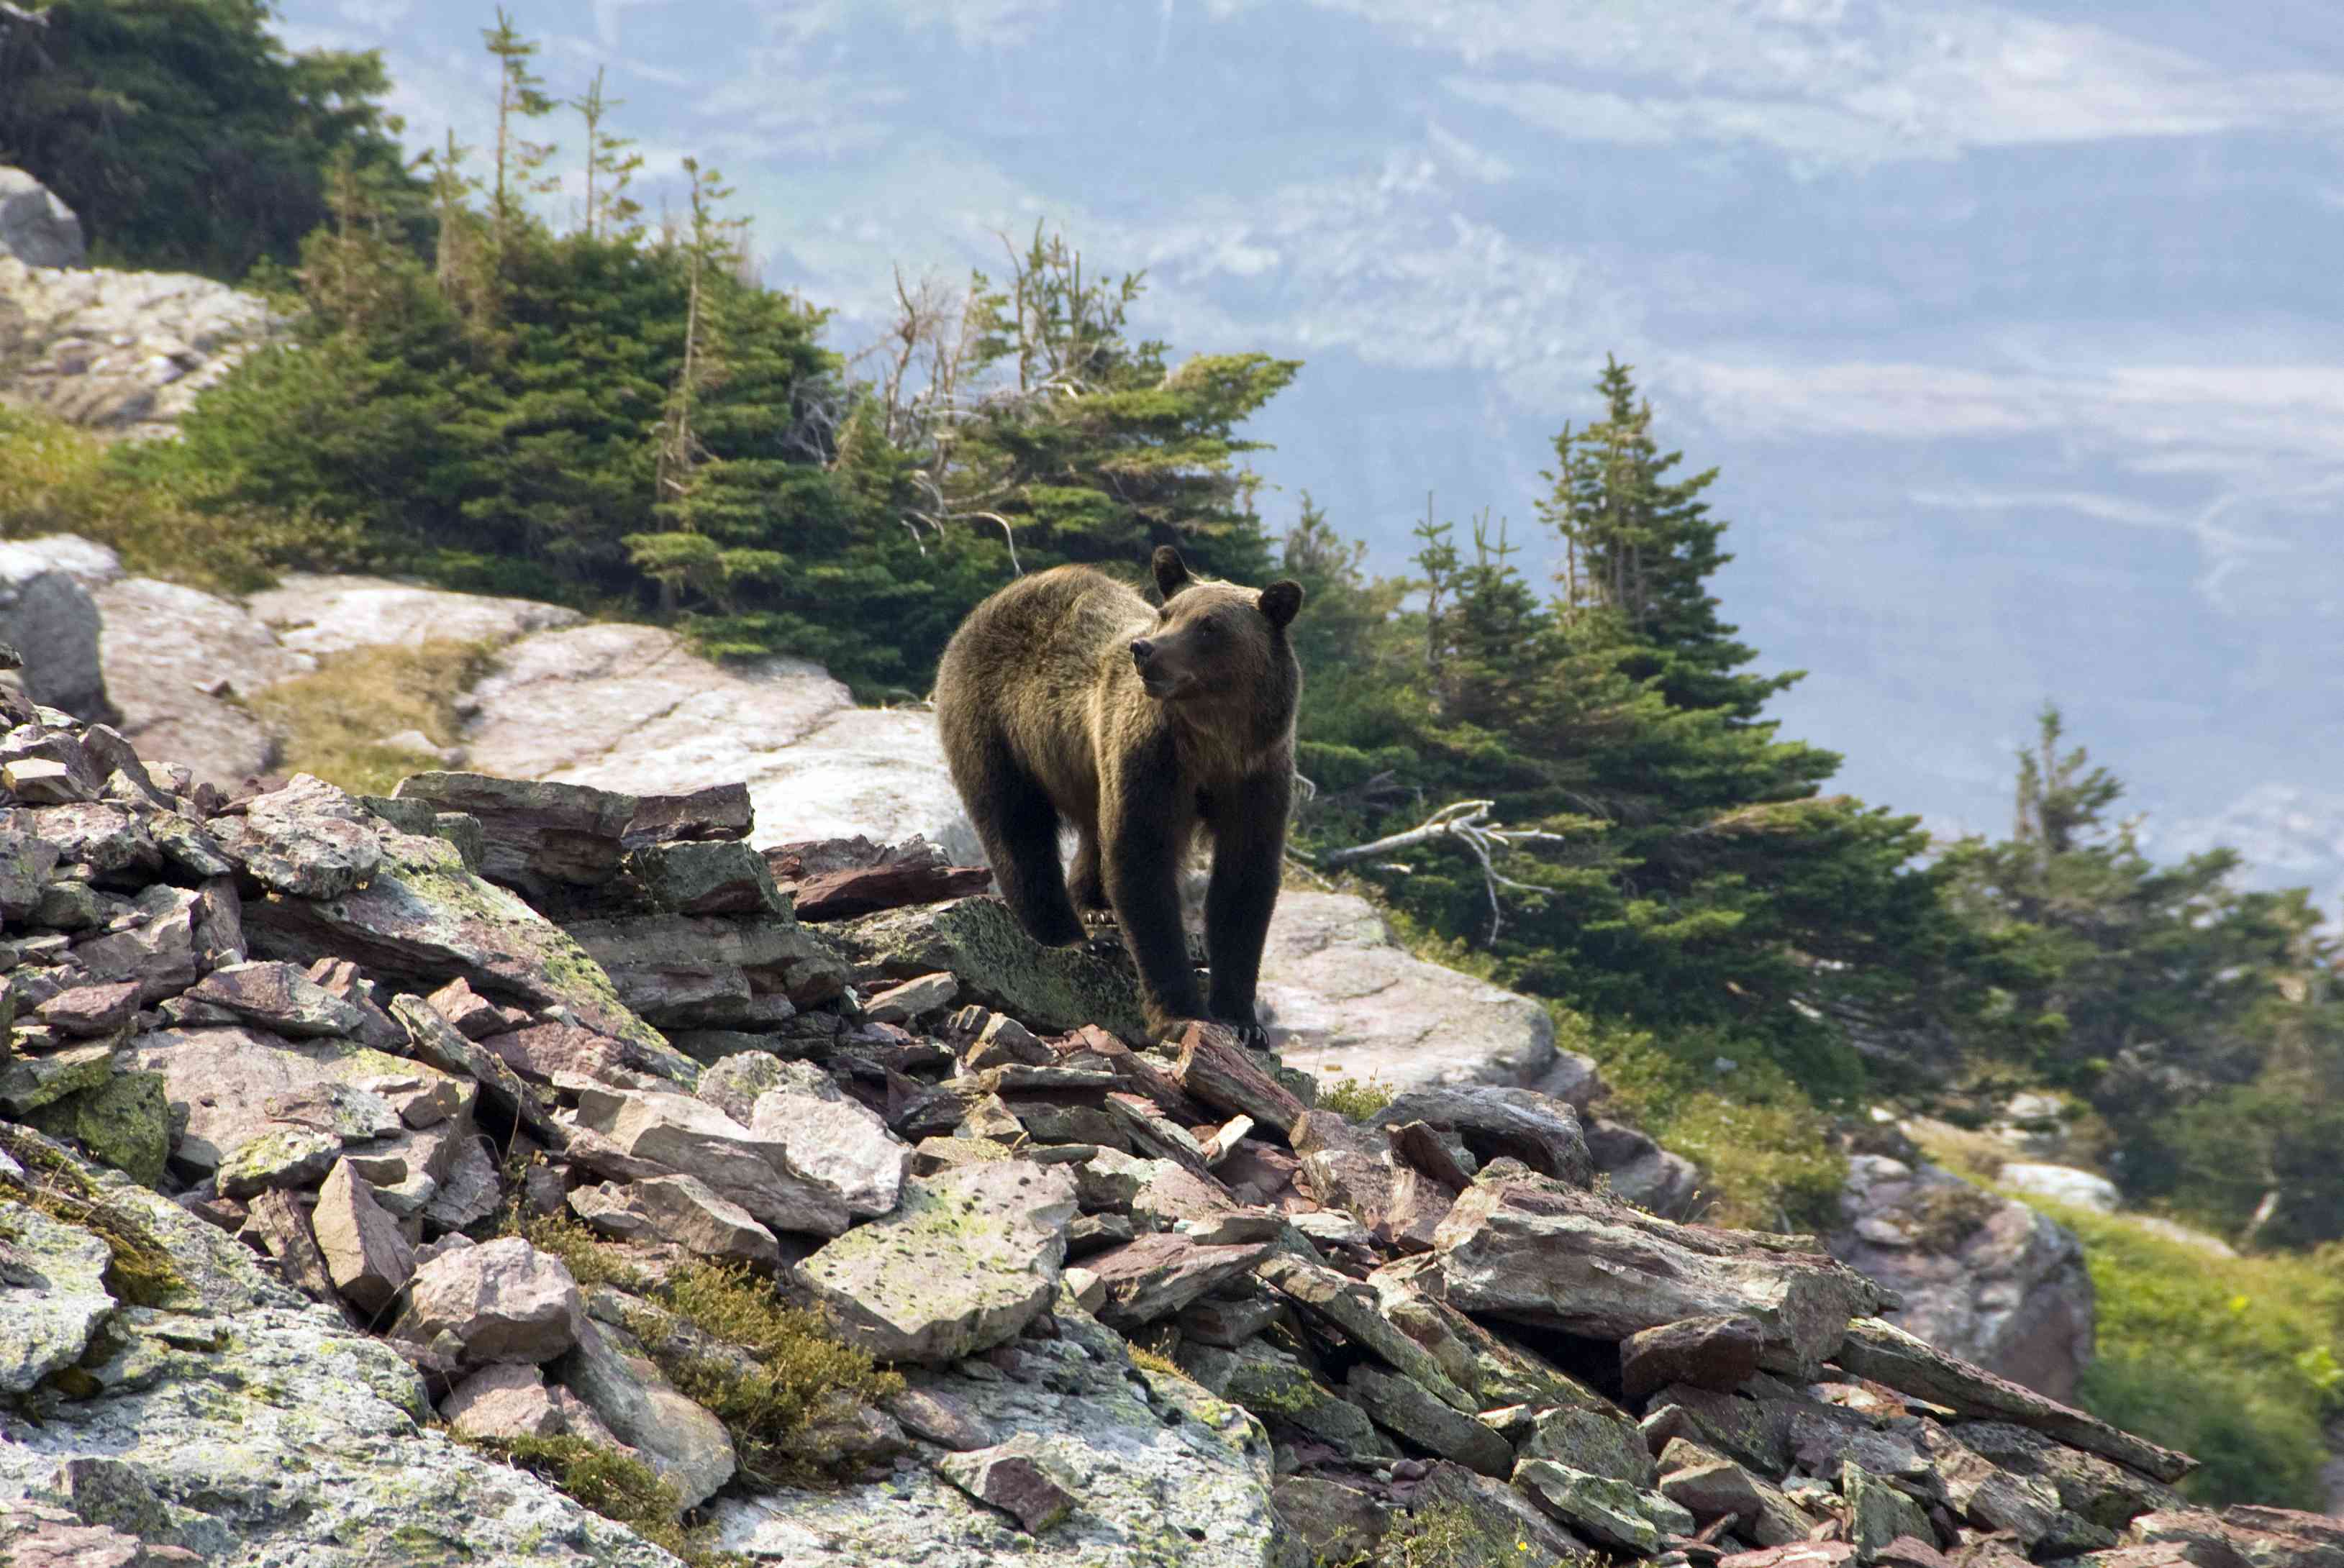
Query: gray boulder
[[1983, 1277], [36, 228], [1588, 1264], [48, 615], [242, 1424], [503, 1300]]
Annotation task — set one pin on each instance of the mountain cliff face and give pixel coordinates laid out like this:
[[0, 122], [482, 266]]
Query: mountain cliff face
[[374, 1164]]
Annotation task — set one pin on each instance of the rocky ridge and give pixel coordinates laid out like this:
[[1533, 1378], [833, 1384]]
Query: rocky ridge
[[301, 1088]]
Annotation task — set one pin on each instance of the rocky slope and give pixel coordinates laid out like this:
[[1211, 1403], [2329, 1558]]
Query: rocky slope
[[310, 1103], [630, 707]]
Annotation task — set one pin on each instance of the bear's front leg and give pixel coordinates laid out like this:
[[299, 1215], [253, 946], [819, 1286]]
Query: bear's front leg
[[1248, 861], [1143, 833]]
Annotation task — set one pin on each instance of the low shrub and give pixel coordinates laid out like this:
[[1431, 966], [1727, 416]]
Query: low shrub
[[163, 519], [2233, 1359]]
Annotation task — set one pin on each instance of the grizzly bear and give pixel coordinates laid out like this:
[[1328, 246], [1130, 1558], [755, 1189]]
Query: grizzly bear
[[1068, 698]]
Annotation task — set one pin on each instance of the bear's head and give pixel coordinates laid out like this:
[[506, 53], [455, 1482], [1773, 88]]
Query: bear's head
[[1216, 642]]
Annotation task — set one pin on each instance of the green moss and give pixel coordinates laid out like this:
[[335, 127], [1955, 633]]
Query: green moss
[[1447, 1534], [801, 1373], [140, 1273]]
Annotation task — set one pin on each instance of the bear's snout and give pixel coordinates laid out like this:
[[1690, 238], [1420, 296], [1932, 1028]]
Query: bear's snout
[[1141, 650]]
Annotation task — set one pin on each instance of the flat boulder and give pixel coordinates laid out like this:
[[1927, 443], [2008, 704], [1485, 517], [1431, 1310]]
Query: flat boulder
[[277, 997], [1543, 1253], [966, 1260], [1344, 999], [682, 1210]]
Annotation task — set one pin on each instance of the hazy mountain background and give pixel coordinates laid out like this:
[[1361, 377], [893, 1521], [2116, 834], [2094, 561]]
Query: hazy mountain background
[[2014, 330]]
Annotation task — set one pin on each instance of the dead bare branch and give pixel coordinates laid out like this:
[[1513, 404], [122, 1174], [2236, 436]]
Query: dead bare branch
[[1468, 823]]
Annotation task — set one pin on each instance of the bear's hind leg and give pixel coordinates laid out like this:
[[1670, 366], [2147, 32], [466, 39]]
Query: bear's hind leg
[[1085, 884], [1019, 827]]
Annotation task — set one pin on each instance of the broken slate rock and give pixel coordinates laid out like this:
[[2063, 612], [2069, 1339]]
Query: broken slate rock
[[1494, 1122], [1052, 990], [662, 1133], [1710, 1486], [838, 1143], [288, 1157], [1596, 1441], [366, 1256], [1712, 1352], [678, 1209], [507, 1400], [969, 1259], [503, 1300], [1156, 1275], [308, 840], [1422, 1421], [914, 999], [1887, 1354], [1609, 1512], [279, 997], [732, 1083], [1015, 1477], [89, 1012], [626, 1392]]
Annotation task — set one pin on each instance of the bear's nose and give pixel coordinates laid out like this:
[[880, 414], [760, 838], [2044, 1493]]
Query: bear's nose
[[1140, 650]]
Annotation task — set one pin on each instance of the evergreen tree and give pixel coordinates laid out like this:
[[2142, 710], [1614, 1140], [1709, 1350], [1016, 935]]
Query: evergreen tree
[[1672, 861], [1072, 442], [2167, 998], [185, 136], [611, 164], [1639, 549]]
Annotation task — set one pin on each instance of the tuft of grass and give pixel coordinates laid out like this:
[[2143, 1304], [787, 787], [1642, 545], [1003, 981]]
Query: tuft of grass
[[333, 719], [1974, 1156], [620, 1487], [801, 1373], [162, 518], [2237, 1361], [1356, 1099], [1156, 1356], [590, 1260]]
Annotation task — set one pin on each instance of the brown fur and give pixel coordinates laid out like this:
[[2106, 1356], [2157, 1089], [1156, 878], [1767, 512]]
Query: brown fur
[[1066, 697]]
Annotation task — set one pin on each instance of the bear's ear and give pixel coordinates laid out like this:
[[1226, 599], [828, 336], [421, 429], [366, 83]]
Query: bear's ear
[[1280, 601], [1171, 571]]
